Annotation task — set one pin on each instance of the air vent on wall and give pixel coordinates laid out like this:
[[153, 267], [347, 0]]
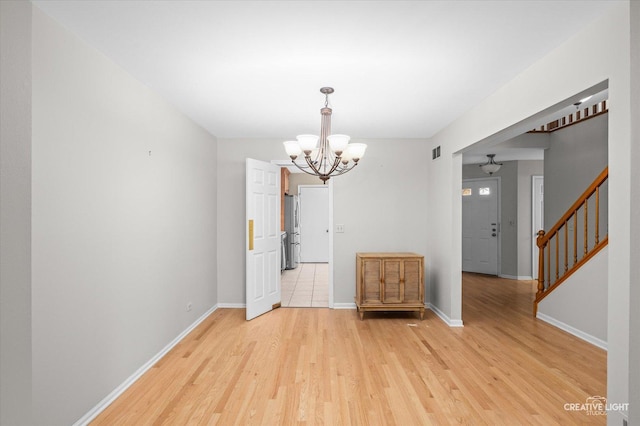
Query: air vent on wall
[[435, 152]]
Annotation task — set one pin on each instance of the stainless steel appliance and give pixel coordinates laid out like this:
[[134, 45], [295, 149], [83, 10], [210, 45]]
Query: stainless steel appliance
[[283, 251], [292, 228]]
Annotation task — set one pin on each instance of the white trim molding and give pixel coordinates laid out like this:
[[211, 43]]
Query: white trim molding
[[344, 305], [231, 305], [444, 317], [517, 277], [102, 405], [571, 330]]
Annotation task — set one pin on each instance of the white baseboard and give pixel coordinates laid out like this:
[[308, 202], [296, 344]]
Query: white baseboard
[[349, 305], [571, 330], [517, 277], [444, 317], [242, 305], [102, 405], [232, 305]]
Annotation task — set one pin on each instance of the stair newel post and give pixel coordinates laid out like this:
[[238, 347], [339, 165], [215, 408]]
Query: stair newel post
[[541, 246]]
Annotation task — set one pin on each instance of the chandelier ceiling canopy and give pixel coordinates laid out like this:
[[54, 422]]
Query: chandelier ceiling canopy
[[334, 155]]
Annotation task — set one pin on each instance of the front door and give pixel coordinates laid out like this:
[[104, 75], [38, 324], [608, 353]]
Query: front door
[[262, 242], [480, 226]]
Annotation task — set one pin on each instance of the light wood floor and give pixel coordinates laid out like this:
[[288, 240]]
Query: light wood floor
[[321, 366]]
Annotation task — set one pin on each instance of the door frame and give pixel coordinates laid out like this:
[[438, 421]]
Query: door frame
[[287, 163], [499, 201], [534, 246]]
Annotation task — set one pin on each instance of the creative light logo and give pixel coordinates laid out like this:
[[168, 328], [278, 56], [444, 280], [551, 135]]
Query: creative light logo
[[595, 406]]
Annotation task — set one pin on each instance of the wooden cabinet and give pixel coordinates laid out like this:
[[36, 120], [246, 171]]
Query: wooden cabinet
[[284, 190], [284, 180], [389, 282]]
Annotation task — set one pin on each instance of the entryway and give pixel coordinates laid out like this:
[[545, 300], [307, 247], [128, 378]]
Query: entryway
[[309, 283]]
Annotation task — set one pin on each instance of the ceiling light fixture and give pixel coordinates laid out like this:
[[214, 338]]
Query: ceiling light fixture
[[335, 155], [490, 166], [577, 104]]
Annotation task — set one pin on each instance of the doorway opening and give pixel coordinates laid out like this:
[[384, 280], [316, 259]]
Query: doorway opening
[[537, 149], [307, 280]]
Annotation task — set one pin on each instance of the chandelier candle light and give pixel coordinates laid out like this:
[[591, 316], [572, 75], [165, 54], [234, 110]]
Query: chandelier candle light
[[333, 157]]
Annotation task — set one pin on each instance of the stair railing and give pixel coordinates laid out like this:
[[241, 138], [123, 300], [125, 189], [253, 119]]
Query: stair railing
[[573, 240], [573, 118]]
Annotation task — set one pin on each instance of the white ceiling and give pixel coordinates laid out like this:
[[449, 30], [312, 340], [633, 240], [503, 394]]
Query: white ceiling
[[401, 69]]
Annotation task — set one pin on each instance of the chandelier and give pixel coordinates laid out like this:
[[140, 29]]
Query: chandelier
[[490, 166], [333, 156]]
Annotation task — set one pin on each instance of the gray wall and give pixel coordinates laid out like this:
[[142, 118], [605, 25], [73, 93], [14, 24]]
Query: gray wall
[[576, 156], [381, 203], [122, 239], [15, 212], [581, 301]]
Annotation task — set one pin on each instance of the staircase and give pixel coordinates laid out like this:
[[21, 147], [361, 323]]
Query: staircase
[[572, 241]]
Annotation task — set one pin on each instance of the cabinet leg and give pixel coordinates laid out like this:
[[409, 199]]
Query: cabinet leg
[[361, 314], [421, 314]]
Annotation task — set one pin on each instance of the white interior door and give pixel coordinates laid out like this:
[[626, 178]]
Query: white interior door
[[314, 224], [537, 217], [480, 226], [262, 237]]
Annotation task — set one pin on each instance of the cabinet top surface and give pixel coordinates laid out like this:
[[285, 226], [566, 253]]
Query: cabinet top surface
[[391, 254]]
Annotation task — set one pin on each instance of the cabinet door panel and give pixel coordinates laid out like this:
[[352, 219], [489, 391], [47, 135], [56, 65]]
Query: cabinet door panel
[[412, 280], [371, 279], [392, 281]]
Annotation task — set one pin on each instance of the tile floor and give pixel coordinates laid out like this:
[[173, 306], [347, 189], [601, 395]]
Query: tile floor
[[307, 286]]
